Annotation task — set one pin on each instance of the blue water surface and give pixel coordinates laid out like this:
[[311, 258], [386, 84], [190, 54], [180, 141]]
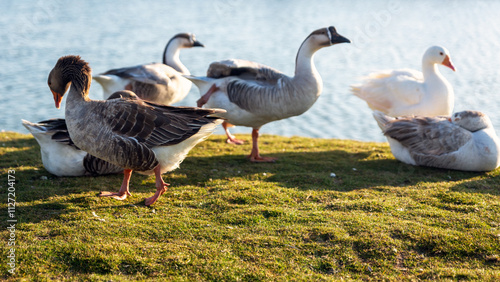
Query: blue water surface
[[386, 34]]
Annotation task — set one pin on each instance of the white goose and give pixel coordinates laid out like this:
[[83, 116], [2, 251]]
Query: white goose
[[133, 134], [254, 94], [410, 92], [60, 156], [465, 141], [155, 82]]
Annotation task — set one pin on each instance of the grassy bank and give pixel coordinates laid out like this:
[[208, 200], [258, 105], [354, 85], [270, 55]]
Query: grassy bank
[[225, 219]]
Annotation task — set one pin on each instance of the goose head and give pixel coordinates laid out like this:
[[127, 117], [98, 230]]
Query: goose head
[[471, 120], [320, 38], [68, 70], [187, 40], [182, 40], [326, 36], [173, 48], [438, 55]]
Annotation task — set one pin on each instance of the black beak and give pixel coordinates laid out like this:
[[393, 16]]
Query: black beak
[[198, 44], [336, 38]]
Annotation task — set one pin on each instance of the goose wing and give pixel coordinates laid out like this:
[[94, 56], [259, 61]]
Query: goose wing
[[58, 129], [255, 88], [406, 85], [429, 140], [388, 89], [153, 73], [137, 126], [244, 69]]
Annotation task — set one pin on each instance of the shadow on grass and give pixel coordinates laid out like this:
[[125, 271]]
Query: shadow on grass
[[487, 185], [335, 170], [329, 170], [27, 153]]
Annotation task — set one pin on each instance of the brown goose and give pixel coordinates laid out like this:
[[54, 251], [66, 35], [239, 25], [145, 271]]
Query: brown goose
[[133, 134], [59, 154], [159, 83], [254, 94]]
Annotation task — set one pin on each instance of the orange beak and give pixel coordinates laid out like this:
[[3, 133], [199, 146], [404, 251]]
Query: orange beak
[[447, 62], [57, 98]]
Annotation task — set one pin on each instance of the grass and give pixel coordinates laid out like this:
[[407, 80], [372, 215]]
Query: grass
[[225, 219]]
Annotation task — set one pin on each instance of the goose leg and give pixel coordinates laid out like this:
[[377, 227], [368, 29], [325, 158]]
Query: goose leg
[[161, 187], [230, 138], [254, 155], [123, 192], [204, 99]]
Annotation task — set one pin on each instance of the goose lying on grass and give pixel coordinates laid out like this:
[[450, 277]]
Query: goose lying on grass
[[133, 134], [254, 94], [465, 141], [410, 92], [155, 82]]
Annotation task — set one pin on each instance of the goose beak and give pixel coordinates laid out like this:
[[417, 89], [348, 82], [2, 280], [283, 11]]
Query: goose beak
[[57, 98], [198, 44], [336, 38], [340, 39], [447, 62]]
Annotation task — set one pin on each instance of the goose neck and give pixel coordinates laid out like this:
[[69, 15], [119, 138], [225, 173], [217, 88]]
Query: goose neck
[[305, 70], [80, 81], [304, 62], [171, 56], [430, 71]]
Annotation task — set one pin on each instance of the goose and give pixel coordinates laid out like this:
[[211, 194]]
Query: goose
[[464, 141], [133, 134], [410, 92], [254, 94], [159, 83], [60, 156]]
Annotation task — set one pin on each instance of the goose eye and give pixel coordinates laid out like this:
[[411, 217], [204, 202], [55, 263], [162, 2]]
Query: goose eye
[[441, 53]]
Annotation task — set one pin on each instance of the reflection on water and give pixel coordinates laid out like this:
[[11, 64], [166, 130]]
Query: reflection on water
[[385, 34]]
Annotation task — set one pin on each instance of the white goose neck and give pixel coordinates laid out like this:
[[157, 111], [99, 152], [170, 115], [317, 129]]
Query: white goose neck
[[430, 70], [304, 62], [171, 56]]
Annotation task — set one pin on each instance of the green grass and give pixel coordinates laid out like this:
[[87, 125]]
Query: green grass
[[226, 219]]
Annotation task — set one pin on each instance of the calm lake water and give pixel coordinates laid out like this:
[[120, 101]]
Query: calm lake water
[[386, 34]]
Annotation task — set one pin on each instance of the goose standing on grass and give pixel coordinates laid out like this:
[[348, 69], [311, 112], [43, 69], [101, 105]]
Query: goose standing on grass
[[465, 141], [254, 94], [410, 92], [133, 134], [155, 82], [59, 154]]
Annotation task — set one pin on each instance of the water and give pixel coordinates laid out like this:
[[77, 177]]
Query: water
[[386, 34]]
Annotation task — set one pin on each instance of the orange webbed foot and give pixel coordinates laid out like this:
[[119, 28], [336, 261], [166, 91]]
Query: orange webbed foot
[[151, 200]]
